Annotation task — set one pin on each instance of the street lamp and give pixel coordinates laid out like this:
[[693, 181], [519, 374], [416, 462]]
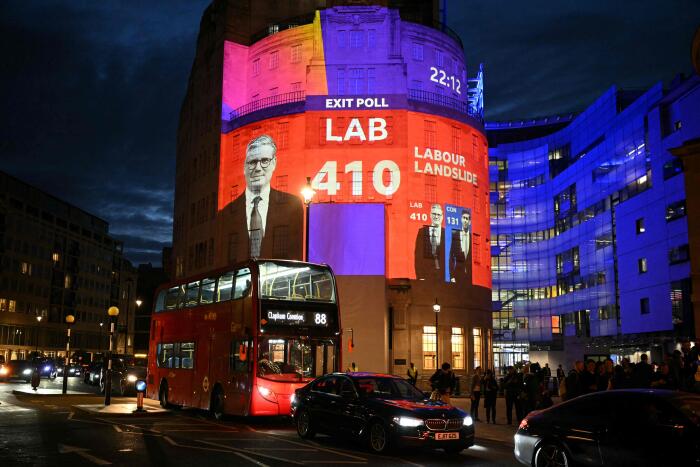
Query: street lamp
[[70, 319], [308, 193], [113, 312], [436, 309], [38, 322]]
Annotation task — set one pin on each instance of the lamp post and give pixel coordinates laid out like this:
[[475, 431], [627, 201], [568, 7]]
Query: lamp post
[[38, 322], [113, 312], [308, 193], [99, 343], [129, 283], [436, 309], [70, 319]]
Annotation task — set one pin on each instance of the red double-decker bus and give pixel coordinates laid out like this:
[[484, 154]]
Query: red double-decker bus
[[240, 340]]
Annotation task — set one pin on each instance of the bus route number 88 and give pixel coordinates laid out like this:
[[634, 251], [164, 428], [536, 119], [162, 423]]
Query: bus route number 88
[[320, 319]]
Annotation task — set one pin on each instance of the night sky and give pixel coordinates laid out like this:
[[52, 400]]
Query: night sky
[[91, 90]]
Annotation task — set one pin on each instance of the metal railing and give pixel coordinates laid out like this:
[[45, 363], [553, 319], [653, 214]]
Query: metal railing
[[441, 100], [266, 102]]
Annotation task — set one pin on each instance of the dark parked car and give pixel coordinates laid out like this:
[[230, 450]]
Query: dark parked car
[[623, 427], [383, 410], [47, 368], [73, 370], [17, 369], [124, 377], [91, 373]]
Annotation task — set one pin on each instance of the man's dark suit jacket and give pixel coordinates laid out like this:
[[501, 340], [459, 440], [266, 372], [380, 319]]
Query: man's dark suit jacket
[[460, 267], [423, 256], [283, 229]]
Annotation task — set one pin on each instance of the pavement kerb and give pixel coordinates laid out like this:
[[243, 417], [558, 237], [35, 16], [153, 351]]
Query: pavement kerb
[[160, 413], [19, 392]]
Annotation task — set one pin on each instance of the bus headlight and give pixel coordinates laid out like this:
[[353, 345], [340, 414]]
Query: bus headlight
[[267, 394]]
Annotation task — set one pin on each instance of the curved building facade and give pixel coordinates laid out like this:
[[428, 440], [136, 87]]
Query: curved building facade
[[589, 243], [377, 114]]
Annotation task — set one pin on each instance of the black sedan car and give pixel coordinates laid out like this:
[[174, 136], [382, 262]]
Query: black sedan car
[[47, 368], [17, 369], [383, 410], [624, 427]]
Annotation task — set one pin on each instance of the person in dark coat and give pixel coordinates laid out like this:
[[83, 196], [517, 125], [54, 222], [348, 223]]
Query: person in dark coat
[[512, 385], [443, 381], [573, 381], [643, 373], [489, 386], [476, 393]]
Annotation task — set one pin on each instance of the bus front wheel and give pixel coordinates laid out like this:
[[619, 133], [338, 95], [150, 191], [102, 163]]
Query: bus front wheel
[[216, 406]]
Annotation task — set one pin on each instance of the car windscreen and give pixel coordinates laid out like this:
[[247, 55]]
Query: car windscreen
[[689, 406], [387, 388]]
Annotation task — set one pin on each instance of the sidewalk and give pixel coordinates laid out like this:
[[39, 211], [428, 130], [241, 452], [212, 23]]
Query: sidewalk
[[48, 392], [150, 407]]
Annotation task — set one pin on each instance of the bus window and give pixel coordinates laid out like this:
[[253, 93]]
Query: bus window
[[225, 285], [239, 356], [187, 355], [243, 282], [160, 301], [181, 296], [192, 294], [285, 359], [281, 281], [208, 290], [171, 298], [165, 355]]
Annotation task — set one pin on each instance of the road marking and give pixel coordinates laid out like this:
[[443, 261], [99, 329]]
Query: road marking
[[82, 452], [335, 462], [208, 430], [321, 448], [117, 429], [281, 459], [278, 449], [5, 407]]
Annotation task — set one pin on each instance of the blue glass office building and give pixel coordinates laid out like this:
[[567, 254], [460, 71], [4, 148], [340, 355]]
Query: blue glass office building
[[589, 236]]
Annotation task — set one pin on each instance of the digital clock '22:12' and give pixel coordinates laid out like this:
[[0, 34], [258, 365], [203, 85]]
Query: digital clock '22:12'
[[440, 77]]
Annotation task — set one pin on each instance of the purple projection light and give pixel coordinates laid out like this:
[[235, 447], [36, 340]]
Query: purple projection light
[[348, 237]]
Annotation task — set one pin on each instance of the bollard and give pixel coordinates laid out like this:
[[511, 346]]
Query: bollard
[[140, 390]]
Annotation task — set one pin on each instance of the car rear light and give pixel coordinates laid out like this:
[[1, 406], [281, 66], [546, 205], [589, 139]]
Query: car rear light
[[524, 425]]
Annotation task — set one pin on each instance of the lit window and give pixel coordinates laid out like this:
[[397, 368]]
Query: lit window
[[556, 325], [3, 304], [476, 335], [429, 348], [67, 281], [55, 257], [642, 265], [256, 67], [26, 268], [274, 60], [640, 226], [675, 210], [457, 349], [12, 306]]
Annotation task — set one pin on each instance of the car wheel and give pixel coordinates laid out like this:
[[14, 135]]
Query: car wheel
[[163, 395], [378, 438], [305, 427], [453, 450], [102, 385], [216, 407], [551, 455]]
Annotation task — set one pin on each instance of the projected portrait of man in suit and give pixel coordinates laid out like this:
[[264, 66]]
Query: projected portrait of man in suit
[[430, 248], [460, 261]]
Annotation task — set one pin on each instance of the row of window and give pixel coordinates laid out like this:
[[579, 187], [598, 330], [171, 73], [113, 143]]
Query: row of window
[[228, 286], [457, 345], [676, 255]]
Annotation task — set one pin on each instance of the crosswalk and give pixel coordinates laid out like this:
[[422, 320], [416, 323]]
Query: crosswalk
[[9, 408]]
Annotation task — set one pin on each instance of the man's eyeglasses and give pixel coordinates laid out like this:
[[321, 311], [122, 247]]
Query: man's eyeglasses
[[264, 163]]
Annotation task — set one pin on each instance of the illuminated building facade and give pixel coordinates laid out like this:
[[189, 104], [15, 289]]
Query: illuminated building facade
[[376, 111], [590, 250]]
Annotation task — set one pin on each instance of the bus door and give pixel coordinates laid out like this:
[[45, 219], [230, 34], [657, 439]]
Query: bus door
[[202, 380], [240, 376]]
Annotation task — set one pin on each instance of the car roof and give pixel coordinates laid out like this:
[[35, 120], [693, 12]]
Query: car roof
[[365, 374]]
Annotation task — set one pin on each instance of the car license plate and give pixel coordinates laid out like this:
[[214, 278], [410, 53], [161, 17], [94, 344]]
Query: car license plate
[[444, 436]]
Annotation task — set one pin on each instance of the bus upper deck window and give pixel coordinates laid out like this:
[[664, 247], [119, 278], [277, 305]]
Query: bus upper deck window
[[243, 283], [225, 286], [208, 291], [171, 298]]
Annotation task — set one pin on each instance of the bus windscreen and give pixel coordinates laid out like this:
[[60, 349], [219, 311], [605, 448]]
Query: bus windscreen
[[299, 283]]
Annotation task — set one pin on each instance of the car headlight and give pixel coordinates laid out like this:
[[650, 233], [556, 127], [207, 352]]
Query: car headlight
[[27, 372], [47, 368], [3, 371], [468, 421], [408, 421], [131, 378]]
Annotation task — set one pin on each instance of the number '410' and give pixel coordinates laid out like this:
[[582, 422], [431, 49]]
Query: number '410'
[[326, 178]]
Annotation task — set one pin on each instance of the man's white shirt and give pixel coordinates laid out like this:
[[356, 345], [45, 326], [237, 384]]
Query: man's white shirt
[[464, 241], [263, 204]]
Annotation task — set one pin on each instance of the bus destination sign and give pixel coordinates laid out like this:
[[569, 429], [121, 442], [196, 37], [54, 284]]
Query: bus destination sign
[[295, 318]]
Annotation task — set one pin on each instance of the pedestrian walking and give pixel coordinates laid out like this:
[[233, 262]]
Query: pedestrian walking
[[546, 375], [352, 368], [443, 381], [489, 386], [412, 373], [476, 393]]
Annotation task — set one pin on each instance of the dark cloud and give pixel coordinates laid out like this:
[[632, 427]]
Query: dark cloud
[[91, 90]]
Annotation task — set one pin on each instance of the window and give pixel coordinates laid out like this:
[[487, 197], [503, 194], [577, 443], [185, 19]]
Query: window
[[457, 349], [192, 294], [417, 52], [296, 53], [675, 210], [519, 211], [430, 133], [642, 265], [356, 82], [274, 59], [556, 325], [26, 268], [187, 355], [342, 38], [372, 39], [238, 361], [603, 241], [644, 306], [429, 348], [357, 39], [67, 281], [679, 254], [672, 168], [340, 81], [296, 86], [371, 81], [439, 58], [166, 355], [476, 335], [639, 226], [256, 67], [225, 286], [208, 291]]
